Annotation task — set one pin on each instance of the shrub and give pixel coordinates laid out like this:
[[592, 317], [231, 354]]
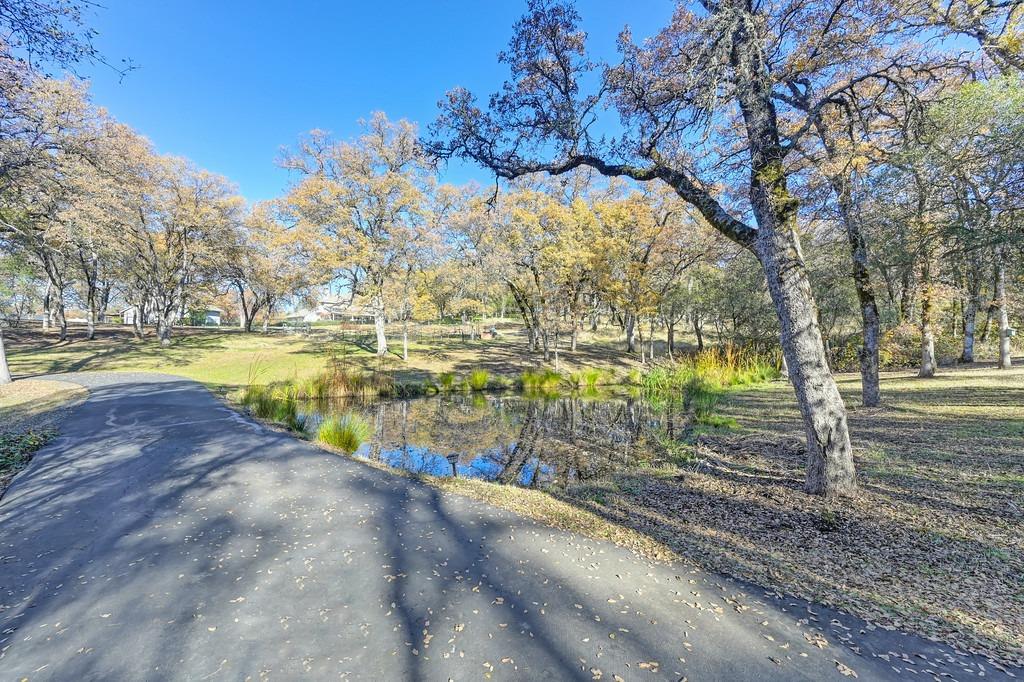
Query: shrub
[[540, 380], [593, 376], [339, 382], [347, 431], [478, 379], [260, 401], [283, 410], [702, 379], [900, 347], [252, 393], [16, 449], [588, 378], [275, 403], [446, 380], [410, 390], [502, 382]]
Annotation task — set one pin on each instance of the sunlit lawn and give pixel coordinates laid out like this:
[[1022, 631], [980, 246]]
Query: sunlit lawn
[[217, 358], [227, 358]]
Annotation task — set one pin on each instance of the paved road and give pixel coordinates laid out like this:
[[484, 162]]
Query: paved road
[[163, 536]]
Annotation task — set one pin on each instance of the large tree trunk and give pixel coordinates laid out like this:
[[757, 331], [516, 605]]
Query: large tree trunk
[[168, 310], [248, 309], [104, 301], [640, 342], [90, 270], [139, 320], [870, 321], [630, 332], [927, 331], [842, 186], [529, 319], [970, 322], [267, 312], [163, 328], [699, 332], [5, 371], [59, 316], [652, 338], [970, 309], [90, 323], [47, 312], [92, 305], [830, 468], [405, 340], [243, 314], [378, 324], [1005, 361]]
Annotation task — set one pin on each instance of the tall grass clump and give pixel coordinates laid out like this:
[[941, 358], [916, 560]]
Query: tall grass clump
[[540, 380], [340, 382], [478, 379], [703, 379], [275, 403], [593, 376], [446, 380], [346, 432]]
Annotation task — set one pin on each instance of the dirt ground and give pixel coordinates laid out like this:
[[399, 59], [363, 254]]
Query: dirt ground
[[932, 542]]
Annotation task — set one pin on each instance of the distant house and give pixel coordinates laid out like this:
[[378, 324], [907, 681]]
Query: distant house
[[128, 314], [347, 311], [198, 317], [210, 316], [74, 315]]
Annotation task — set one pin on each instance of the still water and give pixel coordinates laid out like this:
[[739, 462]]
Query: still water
[[513, 439]]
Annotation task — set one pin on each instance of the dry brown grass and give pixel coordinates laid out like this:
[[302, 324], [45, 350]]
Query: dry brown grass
[[933, 542], [27, 402], [29, 412]]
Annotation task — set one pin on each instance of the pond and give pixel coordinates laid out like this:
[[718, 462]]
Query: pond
[[514, 439]]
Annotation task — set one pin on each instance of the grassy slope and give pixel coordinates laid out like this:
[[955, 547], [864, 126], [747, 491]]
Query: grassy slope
[[219, 359], [224, 359], [29, 411]]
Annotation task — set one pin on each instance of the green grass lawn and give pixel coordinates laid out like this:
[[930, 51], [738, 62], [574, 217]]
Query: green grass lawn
[[225, 359], [220, 359]]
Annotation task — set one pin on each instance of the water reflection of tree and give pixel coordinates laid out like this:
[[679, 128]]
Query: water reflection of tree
[[458, 424], [570, 439], [518, 440]]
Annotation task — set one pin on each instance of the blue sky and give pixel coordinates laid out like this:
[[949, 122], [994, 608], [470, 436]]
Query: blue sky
[[226, 84]]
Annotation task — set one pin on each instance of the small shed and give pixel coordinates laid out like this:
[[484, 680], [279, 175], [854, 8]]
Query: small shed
[[212, 317]]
